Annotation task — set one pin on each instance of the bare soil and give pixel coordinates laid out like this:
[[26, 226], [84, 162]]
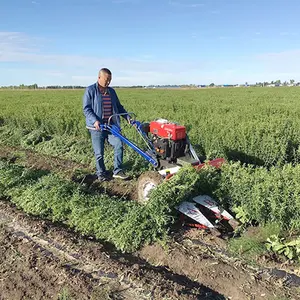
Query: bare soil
[[42, 260]]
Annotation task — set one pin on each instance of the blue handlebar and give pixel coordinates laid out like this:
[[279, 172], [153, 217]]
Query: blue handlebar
[[116, 131]]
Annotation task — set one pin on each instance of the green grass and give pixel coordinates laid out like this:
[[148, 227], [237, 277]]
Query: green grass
[[251, 244], [64, 294]]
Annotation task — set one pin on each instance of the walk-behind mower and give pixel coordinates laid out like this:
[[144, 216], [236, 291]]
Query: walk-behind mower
[[168, 150]]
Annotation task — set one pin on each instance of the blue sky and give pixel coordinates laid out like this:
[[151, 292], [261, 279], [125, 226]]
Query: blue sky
[[149, 41]]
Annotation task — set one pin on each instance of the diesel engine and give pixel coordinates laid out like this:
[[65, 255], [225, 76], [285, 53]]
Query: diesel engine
[[169, 139]]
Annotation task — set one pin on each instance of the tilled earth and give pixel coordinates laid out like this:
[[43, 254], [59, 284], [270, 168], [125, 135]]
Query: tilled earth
[[42, 260]]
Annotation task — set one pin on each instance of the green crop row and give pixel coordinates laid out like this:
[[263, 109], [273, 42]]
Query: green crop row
[[253, 125], [259, 195], [126, 224]]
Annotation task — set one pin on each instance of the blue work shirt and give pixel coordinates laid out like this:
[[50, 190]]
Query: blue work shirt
[[93, 105]]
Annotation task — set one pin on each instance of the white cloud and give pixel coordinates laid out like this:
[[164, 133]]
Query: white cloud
[[281, 62], [46, 68], [144, 69], [13, 44], [287, 33], [160, 78], [54, 73], [89, 62], [81, 78], [16, 47]]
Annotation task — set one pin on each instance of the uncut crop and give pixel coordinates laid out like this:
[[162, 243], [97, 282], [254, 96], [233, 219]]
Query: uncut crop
[[253, 125]]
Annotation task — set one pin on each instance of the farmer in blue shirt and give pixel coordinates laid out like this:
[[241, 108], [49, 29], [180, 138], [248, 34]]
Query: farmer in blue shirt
[[100, 102]]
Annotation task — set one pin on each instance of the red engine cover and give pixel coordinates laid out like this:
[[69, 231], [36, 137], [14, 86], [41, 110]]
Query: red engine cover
[[165, 129]]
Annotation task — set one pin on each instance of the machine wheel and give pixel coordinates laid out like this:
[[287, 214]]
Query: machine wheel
[[147, 182]]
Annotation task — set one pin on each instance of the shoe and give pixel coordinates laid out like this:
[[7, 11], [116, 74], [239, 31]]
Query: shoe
[[102, 178], [121, 175]]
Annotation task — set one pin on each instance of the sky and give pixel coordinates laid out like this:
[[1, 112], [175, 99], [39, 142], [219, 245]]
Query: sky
[[144, 42]]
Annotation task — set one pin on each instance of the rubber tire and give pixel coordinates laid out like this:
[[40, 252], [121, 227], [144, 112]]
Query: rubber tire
[[147, 178]]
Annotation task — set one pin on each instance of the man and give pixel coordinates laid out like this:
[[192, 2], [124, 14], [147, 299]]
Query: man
[[100, 102]]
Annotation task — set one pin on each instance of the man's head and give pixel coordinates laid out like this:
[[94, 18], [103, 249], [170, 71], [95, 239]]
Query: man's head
[[104, 77]]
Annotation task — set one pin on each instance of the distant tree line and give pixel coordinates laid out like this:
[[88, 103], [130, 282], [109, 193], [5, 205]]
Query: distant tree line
[[36, 87], [265, 83], [278, 82]]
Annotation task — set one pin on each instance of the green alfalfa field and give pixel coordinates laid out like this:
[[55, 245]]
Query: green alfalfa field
[[257, 131]]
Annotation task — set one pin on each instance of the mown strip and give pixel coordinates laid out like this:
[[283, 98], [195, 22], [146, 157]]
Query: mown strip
[[77, 149]]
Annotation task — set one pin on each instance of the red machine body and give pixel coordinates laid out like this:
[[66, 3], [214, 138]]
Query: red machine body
[[167, 130]]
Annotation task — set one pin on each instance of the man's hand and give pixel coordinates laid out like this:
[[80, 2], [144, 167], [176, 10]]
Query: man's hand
[[97, 125], [129, 120]]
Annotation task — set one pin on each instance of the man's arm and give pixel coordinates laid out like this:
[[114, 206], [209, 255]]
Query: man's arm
[[87, 107]]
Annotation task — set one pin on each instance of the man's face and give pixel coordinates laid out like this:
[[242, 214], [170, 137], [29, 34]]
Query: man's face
[[104, 79]]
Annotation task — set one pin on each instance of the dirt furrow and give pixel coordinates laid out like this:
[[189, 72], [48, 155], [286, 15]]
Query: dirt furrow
[[48, 250]]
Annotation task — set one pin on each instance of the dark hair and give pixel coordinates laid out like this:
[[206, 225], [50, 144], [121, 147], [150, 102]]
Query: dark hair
[[105, 70]]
